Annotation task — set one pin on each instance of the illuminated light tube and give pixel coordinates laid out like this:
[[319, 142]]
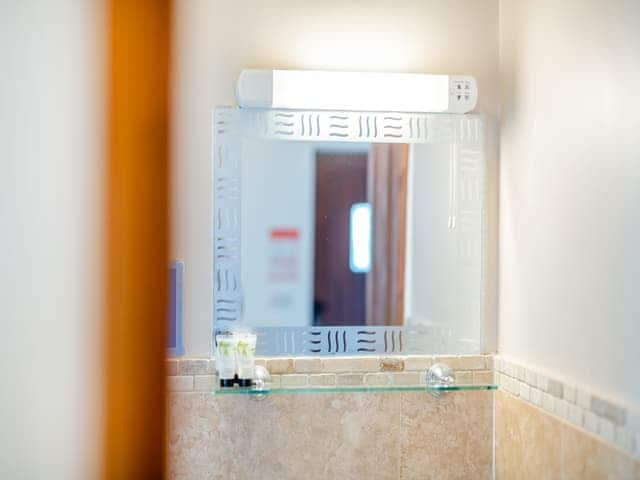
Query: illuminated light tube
[[373, 92]]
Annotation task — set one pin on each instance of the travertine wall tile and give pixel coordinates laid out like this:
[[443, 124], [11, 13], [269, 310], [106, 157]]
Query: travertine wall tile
[[613, 423], [453, 362], [444, 438], [489, 362], [532, 444], [543, 382], [561, 408], [180, 383], [308, 365], [196, 366], [511, 385], [294, 380], [483, 377], [591, 422], [342, 436], [284, 437], [350, 379], [527, 441], [576, 415], [525, 391], [471, 362], [498, 364], [531, 378], [587, 458], [350, 364], [559, 400], [276, 381], [625, 439], [547, 402], [536, 397], [377, 379], [392, 364], [406, 378], [606, 429], [569, 393], [280, 365], [418, 362], [608, 410], [520, 373], [584, 399], [464, 378], [205, 383], [554, 388], [322, 379]]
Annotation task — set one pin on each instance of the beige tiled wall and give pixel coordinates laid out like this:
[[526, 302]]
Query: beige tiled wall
[[544, 428], [534, 444], [328, 435], [331, 436]]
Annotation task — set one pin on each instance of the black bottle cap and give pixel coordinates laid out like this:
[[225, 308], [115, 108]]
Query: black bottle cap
[[226, 382], [244, 382]]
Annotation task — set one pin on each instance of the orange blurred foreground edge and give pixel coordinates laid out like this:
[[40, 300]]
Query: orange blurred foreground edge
[[137, 239]]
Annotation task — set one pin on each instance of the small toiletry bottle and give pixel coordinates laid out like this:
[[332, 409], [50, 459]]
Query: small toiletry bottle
[[246, 349], [226, 344]]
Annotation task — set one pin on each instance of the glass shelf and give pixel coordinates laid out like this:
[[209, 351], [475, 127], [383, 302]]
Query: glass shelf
[[355, 389]]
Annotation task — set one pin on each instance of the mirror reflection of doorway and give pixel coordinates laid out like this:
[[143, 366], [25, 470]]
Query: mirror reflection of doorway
[[339, 293], [374, 295]]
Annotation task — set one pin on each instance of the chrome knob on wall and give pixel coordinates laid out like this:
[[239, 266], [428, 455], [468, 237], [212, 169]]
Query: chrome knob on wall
[[261, 378], [440, 374], [261, 382]]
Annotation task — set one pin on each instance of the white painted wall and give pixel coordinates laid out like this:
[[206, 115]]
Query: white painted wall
[[216, 39], [50, 191], [570, 190]]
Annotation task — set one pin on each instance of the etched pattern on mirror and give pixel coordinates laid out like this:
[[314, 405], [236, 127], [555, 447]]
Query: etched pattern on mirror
[[458, 145]]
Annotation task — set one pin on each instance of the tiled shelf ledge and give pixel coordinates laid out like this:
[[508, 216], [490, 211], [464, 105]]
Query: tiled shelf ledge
[[340, 373]]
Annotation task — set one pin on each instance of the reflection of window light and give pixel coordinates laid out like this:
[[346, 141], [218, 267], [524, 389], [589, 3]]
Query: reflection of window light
[[360, 238]]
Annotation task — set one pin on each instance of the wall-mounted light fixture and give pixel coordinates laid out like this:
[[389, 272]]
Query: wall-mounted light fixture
[[374, 92]]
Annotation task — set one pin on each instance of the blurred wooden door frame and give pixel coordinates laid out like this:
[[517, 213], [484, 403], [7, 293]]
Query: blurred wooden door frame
[[387, 192], [137, 232]]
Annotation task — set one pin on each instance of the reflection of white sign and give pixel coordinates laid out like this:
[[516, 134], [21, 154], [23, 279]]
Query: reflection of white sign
[[284, 261]]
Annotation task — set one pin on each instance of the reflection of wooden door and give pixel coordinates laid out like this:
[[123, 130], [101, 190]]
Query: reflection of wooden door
[[339, 294], [387, 193]]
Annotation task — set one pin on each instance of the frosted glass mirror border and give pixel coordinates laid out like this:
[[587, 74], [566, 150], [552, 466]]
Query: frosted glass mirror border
[[463, 133]]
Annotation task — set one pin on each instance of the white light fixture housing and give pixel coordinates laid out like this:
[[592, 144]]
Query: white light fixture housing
[[372, 92]]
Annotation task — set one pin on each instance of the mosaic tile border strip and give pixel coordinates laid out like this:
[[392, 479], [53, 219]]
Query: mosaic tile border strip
[[609, 421], [199, 374]]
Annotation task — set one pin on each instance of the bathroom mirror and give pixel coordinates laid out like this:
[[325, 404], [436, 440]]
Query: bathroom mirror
[[349, 233]]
